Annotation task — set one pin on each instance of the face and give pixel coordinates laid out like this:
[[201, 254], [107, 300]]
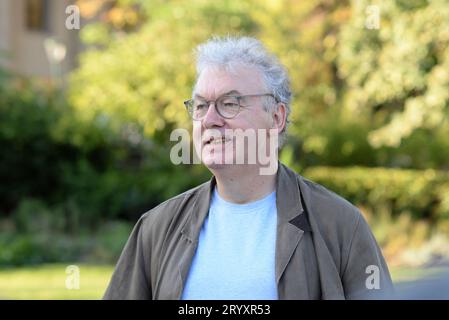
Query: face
[[213, 135]]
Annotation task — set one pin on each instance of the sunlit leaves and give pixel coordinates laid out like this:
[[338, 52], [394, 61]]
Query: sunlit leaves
[[400, 70]]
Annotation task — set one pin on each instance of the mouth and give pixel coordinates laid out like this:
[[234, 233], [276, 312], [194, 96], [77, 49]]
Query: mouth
[[217, 141]]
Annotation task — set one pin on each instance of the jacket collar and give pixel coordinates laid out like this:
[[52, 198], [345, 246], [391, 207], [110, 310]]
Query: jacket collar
[[292, 220], [289, 200]]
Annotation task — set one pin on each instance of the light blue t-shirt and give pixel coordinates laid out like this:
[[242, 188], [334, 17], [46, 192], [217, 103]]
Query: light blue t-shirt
[[235, 257]]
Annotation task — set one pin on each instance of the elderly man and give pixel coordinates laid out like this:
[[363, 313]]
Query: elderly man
[[248, 234]]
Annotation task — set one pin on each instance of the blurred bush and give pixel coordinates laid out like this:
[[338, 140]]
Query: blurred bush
[[37, 233], [64, 180], [407, 210], [104, 245], [85, 171], [420, 193], [360, 96], [397, 73]]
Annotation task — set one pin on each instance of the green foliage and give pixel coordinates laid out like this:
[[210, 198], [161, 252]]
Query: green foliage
[[422, 194], [31, 156], [407, 210], [358, 92], [31, 243], [18, 249], [83, 171], [398, 73], [62, 178], [143, 77]]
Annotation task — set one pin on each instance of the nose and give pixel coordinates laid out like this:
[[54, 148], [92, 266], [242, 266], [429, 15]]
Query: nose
[[212, 118]]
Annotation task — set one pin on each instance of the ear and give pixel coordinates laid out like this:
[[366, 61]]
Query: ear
[[279, 116]]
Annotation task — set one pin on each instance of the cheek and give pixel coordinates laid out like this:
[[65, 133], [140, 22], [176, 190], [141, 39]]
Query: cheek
[[196, 132], [257, 121]]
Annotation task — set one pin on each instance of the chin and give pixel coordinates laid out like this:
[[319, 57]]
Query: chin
[[214, 163], [215, 167], [238, 170]]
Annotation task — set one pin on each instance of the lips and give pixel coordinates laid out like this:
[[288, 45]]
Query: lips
[[216, 140]]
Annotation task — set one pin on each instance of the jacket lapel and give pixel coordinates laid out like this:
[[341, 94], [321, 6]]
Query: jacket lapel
[[291, 222], [331, 286]]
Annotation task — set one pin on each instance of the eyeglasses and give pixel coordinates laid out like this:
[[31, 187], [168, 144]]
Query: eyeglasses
[[227, 106]]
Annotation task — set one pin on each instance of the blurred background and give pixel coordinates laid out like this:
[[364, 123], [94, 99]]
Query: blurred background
[[86, 112]]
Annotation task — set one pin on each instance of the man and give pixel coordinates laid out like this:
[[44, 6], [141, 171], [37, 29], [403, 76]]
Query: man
[[248, 234]]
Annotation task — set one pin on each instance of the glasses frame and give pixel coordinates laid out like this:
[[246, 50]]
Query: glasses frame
[[189, 103]]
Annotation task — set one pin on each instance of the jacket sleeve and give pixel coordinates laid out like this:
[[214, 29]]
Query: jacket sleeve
[[131, 277], [366, 274]]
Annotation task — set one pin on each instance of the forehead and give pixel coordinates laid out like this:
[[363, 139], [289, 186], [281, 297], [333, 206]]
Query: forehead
[[215, 81]]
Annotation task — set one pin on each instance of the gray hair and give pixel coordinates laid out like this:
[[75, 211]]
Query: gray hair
[[228, 51]]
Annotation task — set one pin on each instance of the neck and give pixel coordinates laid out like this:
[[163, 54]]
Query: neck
[[244, 184]]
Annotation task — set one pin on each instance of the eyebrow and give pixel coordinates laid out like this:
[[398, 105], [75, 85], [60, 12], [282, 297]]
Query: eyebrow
[[224, 94]]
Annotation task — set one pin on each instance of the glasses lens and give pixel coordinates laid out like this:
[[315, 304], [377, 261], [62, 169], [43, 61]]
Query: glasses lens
[[198, 108], [228, 107]]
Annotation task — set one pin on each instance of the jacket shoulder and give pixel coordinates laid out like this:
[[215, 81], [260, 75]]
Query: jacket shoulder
[[327, 203], [166, 211], [336, 218]]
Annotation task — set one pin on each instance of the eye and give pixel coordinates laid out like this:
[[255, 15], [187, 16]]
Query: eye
[[230, 103], [200, 106]]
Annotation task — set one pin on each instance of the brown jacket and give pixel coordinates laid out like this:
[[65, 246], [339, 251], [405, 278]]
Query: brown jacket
[[324, 247]]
